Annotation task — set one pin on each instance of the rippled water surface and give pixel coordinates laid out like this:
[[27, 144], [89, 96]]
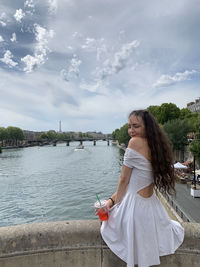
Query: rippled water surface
[[56, 183]]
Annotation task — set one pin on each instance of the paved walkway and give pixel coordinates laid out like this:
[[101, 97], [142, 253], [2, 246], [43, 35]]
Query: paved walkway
[[189, 205]]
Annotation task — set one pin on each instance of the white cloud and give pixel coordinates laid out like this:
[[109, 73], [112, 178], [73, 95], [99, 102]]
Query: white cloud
[[64, 75], [73, 70], [7, 59], [3, 18], [119, 62], [2, 23], [167, 80], [1, 39], [97, 45], [91, 87], [29, 8], [29, 3], [101, 50], [77, 35], [19, 15], [74, 67], [14, 37], [3, 15], [42, 37], [32, 62], [89, 43], [53, 6]]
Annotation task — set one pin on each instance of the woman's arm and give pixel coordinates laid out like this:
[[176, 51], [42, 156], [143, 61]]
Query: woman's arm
[[122, 186], [123, 183], [110, 202]]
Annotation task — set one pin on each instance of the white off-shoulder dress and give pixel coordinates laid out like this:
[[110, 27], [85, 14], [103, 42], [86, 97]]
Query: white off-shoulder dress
[[139, 229]]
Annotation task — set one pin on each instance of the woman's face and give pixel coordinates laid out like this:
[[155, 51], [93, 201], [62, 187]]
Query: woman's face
[[136, 126]]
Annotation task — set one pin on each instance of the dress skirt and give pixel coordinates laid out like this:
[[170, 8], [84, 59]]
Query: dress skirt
[[139, 231]]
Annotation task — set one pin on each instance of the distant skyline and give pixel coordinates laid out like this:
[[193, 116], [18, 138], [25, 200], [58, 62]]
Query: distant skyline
[[89, 63]]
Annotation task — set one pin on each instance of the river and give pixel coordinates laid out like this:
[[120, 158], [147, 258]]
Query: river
[[54, 183]]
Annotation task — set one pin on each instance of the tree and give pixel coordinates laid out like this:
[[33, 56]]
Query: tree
[[51, 135], [197, 126], [14, 134], [194, 122], [3, 135], [80, 134], [168, 112], [43, 136], [123, 136], [19, 134], [154, 110], [195, 149], [66, 136], [115, 134], [185, 113], [177, 131]]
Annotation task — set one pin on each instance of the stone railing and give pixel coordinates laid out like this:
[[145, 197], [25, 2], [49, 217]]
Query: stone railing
[[175, 212], [78, 244]]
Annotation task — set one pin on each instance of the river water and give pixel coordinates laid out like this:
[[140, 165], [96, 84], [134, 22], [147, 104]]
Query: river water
[[54, 183]]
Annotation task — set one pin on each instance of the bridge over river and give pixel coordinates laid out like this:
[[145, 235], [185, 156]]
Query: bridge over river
[[67, 141]]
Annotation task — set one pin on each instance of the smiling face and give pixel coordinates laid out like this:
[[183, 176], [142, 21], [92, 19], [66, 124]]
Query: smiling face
[[136, 127]]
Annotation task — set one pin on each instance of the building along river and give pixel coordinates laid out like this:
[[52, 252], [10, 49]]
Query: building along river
[[53, 183]]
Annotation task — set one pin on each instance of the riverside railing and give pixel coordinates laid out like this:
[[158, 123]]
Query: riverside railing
[[185, 217]]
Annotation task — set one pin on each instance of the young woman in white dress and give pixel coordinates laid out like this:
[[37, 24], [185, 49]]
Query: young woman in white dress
[[139, 229]]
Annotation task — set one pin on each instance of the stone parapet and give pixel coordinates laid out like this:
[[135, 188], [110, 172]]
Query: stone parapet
[[78, 244]]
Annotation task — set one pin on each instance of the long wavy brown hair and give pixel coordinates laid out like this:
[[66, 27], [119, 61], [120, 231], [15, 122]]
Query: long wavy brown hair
[[161, 153]]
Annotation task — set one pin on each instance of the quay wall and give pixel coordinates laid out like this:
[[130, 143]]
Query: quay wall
[[78, 244]]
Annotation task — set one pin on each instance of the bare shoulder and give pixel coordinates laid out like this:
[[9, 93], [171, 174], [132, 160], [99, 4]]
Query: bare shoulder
[[140, 145], [136, 143]]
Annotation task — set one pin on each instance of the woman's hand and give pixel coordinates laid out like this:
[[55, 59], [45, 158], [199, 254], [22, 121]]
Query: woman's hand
[[109, 204]]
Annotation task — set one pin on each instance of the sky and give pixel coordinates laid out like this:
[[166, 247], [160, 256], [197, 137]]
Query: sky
[[89, 63]]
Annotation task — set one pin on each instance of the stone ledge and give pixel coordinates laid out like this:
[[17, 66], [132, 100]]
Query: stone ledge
[[78, 243], [38, 237]]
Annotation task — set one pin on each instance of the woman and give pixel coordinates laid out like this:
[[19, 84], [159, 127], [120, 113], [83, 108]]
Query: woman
[[139, 229]]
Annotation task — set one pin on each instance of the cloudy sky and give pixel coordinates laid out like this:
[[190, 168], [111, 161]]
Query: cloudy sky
[[89, 63]]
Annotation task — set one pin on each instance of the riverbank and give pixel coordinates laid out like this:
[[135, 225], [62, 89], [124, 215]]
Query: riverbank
[[24, 146], [122, 146]]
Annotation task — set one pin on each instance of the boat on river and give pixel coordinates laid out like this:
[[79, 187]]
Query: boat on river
[[79, 147]]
